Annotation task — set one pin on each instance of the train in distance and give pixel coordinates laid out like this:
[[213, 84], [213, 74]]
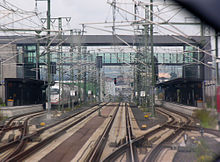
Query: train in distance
[[64, 94]]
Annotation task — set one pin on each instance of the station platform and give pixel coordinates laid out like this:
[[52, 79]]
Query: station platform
[[185, 109], [11, 111]]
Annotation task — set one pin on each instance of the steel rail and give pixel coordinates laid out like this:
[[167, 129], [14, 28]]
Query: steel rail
[[38, 132], [152, 156], [155, 152], [23, 134], [195, 128], [171, 124], [5, 127], [13, 127], [139, 140], [24, 154], [206, 130], [96, 152], [133, 156], [1, 126]]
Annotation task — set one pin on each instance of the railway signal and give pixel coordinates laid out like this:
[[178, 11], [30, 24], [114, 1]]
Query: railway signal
[[115, 81]]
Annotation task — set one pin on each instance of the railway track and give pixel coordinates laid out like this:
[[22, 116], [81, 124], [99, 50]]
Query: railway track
[[11, 125], [26, 152], [190, 126], [96, 152], [133, 143], [132, 153], [127, 150], [177, 123], [24, 132], [1, 126], [177, 129]]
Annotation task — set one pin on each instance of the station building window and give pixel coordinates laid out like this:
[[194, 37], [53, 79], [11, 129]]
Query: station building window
[[114, 58]]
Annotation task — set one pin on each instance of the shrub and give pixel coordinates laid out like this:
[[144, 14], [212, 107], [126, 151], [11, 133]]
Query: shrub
[[203, 153], [2, 117], [207, 120], [1, 101]]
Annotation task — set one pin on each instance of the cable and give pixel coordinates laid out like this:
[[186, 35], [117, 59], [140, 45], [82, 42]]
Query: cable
[[201, 50], [174, 14]]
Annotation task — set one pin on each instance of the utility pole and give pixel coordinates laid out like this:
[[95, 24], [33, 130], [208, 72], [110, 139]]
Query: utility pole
[[48, 54], [59, 56], [94, 78], [135, 62], [99, 71], [72, 70], [79, 67], [147, 58], [60, 62], [217, 77], [37, 57], [84, 74], [99, 66], [113, 18], [217, 58], [152, 58], [138, 77]]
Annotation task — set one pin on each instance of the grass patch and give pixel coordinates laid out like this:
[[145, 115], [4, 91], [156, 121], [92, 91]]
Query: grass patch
[[2, 105], [207, 120], [2, 117], [68, 109], [203, 153], [144, 109]]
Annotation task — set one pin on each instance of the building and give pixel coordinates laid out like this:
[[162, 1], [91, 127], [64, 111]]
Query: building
[[18, 75], [25, 63]]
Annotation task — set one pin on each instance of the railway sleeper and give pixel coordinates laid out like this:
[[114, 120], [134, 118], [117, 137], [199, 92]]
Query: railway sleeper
[[154, 139], [118, 143], [186, 149], [143, 150], [35, 139], [17, 138], [143, 143], [11, 138]]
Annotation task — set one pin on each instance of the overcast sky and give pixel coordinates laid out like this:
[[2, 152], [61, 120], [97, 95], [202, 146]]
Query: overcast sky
[[85, 11], [79, 10]]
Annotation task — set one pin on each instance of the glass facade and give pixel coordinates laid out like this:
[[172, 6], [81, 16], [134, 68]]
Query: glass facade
[[170, 60], [27, 58], [116, 57]]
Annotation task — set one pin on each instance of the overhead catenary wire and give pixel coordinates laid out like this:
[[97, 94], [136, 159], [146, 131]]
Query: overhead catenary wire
[[16, 21], [17, 8], [19, 14], [137, 51], [187, 37]]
